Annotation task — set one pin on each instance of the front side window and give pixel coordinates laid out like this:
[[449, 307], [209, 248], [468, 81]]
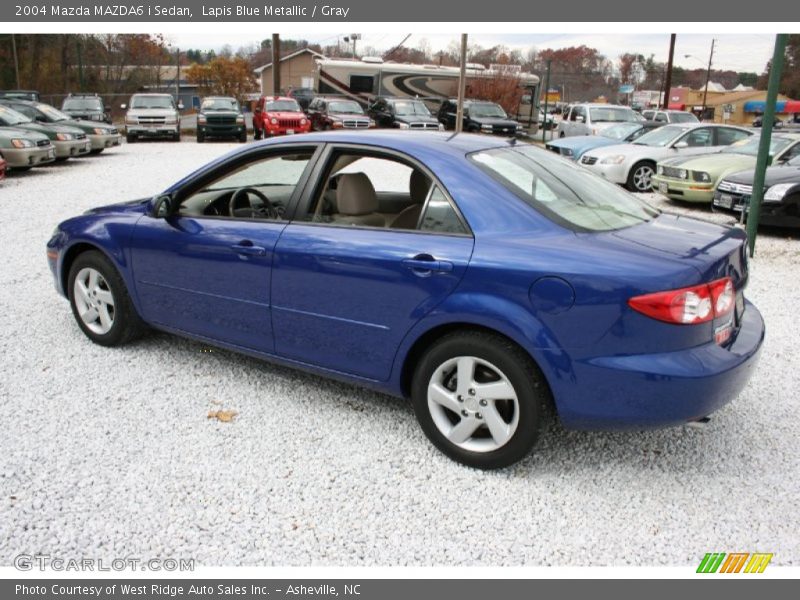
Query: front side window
[[260, 189], [699, 137], [566, 194]]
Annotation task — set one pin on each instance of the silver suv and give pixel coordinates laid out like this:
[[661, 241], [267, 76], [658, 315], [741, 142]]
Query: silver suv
[[152, 116]]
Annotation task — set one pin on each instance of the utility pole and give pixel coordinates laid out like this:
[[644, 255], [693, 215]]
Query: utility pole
[[668, 80], [276, 64], [462, 85], [708, 78], [177, 75], [762, 161], [16, 60], [546, 98]]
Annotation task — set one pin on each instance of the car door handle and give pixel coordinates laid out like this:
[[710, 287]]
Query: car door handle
[[247, 248], [424, 265]]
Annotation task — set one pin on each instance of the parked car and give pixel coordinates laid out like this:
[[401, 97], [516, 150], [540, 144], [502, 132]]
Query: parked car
[[403, 113], [86, 107], [220, 117], [68, 141], [633, 165], [20, 94], [279, 115], [101, 135], [2, 168], [337, 113], [380, 262], [694, 178], [23, 149], [776, 123], [480, 116], [780, 205], [669, 116], [152, 116], [304, 96], [577, 145], [591, 119]]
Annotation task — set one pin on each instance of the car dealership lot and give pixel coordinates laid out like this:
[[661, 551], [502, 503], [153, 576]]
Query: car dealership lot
[[109, 452]]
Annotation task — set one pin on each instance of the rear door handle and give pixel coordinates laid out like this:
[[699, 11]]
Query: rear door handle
[[424, 264], [248, 249]]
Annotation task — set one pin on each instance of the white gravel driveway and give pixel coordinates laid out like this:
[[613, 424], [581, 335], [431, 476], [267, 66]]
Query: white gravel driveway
[[109, 452]]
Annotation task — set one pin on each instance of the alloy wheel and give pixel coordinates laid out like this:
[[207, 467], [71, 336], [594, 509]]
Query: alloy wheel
[[642, 178], [94, 300]]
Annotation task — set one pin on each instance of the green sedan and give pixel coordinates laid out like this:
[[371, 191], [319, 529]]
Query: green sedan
[[24, 149], [101, 135], [69, 141], [694, 178]]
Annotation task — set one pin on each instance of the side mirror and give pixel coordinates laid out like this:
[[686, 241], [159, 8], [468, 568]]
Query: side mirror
[[161, 207], [123, 106], [680, 145], [180, 105]]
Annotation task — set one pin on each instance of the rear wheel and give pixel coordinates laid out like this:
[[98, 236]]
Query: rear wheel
[[200, 138], [243, 137], [130, 138], [176, 137], [479, 399], [257, 134], [640, 177], [100, 302]]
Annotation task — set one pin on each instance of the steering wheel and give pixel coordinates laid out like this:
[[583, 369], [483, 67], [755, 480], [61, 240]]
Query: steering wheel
[[241, 199]]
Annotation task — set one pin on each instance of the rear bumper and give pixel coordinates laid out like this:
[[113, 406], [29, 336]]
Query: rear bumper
[[658, 390]]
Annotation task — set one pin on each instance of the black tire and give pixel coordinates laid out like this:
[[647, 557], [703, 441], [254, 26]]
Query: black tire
[[130, 138], [98, 151], [257, 134], [243, 137], [127, 325], [176, 137], [533, 397], [562, 134], [200, 138], [634, 176]]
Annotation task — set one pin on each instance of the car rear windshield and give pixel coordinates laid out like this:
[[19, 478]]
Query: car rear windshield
[[345, 107], [152, 102], [682, 117], [283, 106], [82, 104], [608, 114], [563, 192]]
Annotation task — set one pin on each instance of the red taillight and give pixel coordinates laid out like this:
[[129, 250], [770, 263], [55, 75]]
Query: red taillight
[[688, 306]]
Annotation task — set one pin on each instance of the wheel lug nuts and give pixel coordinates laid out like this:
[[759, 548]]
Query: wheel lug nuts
[[464, 413], [472, 392], [483, 402], [478, 415], [460, 398]]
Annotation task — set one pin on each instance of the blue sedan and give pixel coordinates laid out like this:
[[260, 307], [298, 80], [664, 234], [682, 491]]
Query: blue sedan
[[575, 146], [490, 281]]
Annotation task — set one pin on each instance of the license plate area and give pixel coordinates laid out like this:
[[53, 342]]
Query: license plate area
[[663, 188]]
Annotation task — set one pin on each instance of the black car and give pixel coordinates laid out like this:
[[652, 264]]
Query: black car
[[31, 95], [89, 107], [304, 96], [220, 117], [403, 113], [781, 203], [480, 116], [759, 122]]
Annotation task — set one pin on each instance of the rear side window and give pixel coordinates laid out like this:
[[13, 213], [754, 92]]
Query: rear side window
[[566, 194], [440, 216]]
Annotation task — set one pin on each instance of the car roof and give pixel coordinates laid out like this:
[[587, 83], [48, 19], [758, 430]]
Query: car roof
[[150, 94], [275, 98]]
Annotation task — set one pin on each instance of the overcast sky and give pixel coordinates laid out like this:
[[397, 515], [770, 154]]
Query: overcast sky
[[738, 52]]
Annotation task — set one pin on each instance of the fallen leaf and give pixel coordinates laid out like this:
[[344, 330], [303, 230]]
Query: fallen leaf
[[226, 416]]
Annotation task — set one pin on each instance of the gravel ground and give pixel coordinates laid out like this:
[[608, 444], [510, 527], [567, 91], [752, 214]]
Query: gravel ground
[[109, 452]]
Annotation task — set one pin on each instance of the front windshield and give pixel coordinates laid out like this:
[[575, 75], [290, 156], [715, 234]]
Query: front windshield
[[406, 108], [220, 104], [52, 114], [662, 136], [283, 106], [563, 192], [621, 131], [9, 117], [683, 117], [750, 146], [346, 107], [152, 102], [613, 114], [82, 104], [487, 111]]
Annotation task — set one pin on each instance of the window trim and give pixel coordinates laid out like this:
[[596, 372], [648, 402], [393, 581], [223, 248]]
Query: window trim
[[315, 179]]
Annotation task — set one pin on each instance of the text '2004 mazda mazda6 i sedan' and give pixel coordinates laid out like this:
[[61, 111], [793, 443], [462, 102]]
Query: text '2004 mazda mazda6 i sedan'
[[490, 281]]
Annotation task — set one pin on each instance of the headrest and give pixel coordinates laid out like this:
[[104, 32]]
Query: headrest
[[418, 186], [355, 195]]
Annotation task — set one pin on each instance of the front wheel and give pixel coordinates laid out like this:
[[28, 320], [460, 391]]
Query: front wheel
[[640, 177], [100, 302], [479, 399]]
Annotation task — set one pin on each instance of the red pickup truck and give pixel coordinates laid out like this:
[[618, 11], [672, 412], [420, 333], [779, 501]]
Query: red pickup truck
[[278, 115]]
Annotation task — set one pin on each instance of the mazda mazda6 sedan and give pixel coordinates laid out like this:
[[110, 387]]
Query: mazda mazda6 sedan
[[491, 282]]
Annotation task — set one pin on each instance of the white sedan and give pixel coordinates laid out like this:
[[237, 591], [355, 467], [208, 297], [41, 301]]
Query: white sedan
[[633, 165]]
